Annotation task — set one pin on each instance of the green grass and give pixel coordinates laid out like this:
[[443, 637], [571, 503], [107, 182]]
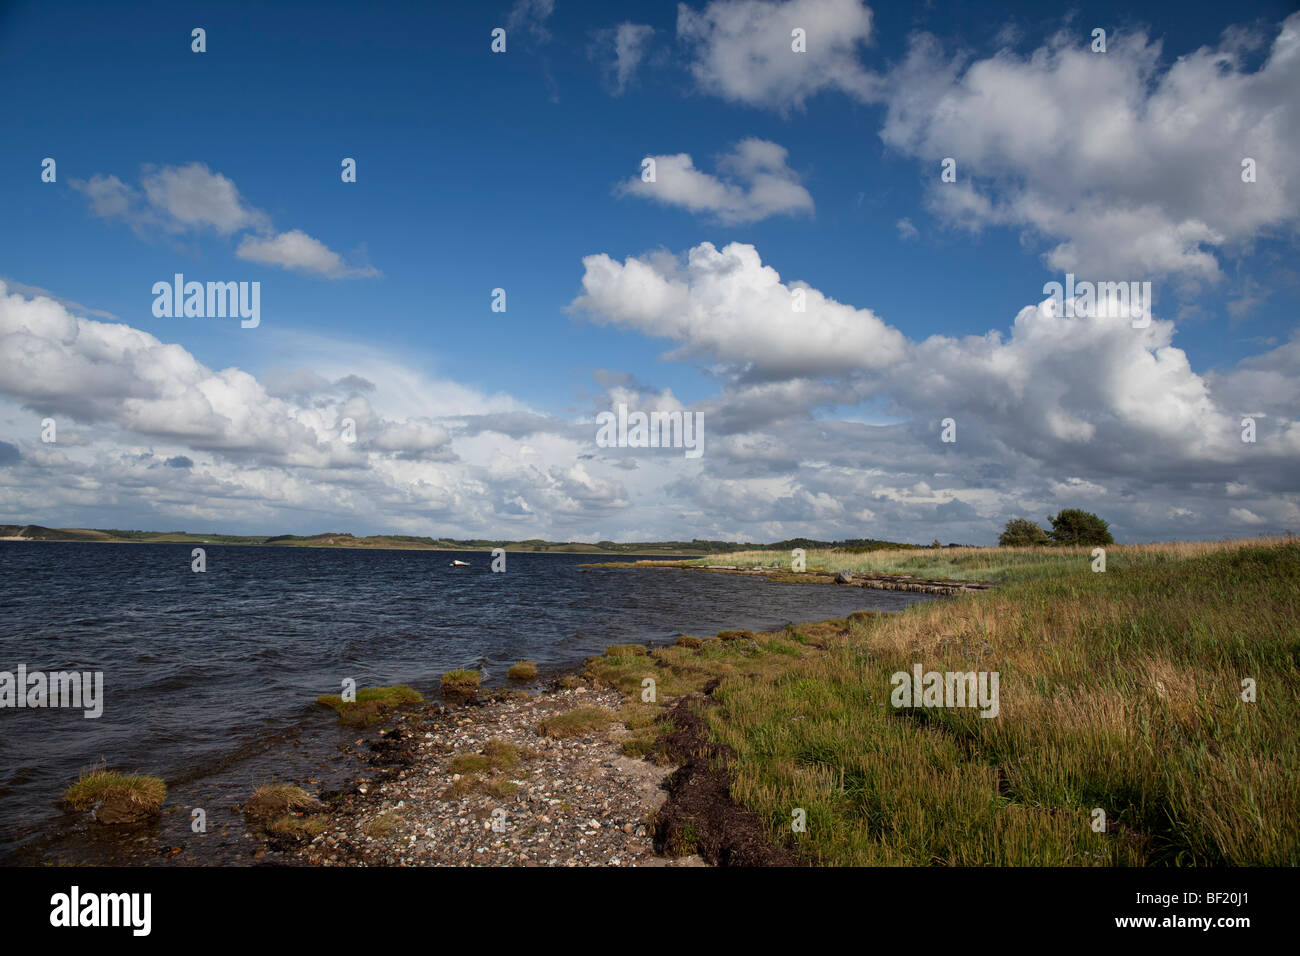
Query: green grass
[[523, 671], [685, 668], [486, 772], [648, 727], [953, 564], [299, 827], [143, 794], [1118, 690], [282, 809], [383, 823], [275, 799], [371, 703], [497, 755], [576, 723], [460, 682], [625, 650]]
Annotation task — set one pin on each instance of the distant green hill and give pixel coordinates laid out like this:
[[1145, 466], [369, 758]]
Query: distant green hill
[[343, 539]]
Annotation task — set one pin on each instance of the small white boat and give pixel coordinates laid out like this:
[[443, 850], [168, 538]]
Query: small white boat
[[460, 564]]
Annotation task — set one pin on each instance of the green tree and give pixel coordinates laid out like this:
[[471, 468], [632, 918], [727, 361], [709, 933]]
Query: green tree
[[1073, 526], [1021, 532]]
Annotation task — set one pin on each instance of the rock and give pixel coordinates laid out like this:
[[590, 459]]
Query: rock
[[119, 805], [844, 577]]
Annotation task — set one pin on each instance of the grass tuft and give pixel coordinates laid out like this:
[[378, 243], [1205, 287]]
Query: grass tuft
[[460, 682], [298, 827], [576, 723], [523, 671], [120, 798], [625, 650], [371, 703], [276, 800]]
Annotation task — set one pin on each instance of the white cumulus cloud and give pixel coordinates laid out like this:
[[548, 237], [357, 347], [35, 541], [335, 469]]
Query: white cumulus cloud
[[297, 250], [759, 183], [1131, 168], [726, 304], [742, 50], [193, 198]]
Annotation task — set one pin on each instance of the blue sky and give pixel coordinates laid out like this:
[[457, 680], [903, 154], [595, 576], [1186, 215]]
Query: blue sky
[[478, 170]]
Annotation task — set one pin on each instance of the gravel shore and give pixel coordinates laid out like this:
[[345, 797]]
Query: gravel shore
[[550, 801]]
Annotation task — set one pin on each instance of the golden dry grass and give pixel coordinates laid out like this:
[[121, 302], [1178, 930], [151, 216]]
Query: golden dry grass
[[1120, 691], [975, 563]]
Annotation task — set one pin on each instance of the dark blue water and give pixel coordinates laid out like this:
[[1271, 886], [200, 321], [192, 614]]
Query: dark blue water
[[210, 678]]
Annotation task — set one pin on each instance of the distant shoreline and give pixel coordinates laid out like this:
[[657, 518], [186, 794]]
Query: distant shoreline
[[694, 548], [339, 547]]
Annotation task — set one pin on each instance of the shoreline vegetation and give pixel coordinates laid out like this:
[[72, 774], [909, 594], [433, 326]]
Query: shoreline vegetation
[[890, 581], [1163, 692], [967, 565], [1147, 717]]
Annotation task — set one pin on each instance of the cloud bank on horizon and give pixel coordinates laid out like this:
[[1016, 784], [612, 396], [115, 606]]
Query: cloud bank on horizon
[[823, 411]]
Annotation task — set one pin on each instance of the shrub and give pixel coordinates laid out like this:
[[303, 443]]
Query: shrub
[[1021, 532], [1073, 526]]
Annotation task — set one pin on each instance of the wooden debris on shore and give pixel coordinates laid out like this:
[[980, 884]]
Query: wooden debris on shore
[[881, 582], [885, 583]]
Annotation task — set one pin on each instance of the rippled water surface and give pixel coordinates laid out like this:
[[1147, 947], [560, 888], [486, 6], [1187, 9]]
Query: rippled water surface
[[209, 679]]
